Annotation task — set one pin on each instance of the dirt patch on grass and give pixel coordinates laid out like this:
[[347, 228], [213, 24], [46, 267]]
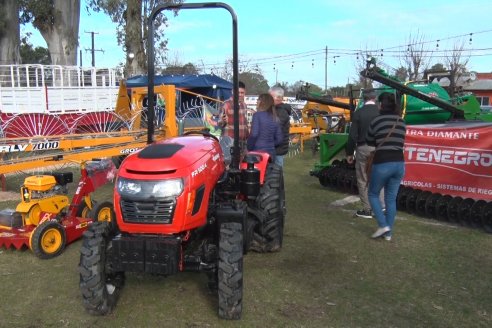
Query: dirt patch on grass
[[8, 195]]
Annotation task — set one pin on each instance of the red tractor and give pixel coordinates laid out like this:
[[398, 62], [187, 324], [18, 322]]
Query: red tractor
[[178, 208]]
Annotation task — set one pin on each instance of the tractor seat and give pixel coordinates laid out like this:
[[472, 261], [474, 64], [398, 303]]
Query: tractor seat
[[251, 158]]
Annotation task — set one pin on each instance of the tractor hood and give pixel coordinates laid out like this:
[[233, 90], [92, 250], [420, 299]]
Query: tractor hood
[[169, 155]]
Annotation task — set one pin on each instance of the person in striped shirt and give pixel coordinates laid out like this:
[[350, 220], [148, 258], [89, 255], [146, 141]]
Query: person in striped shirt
[[386, 133]]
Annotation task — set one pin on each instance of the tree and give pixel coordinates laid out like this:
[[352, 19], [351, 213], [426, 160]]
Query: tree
[[255, 82], [456, 62], [401, 73], [293, 89], [9, 32], [360, 65], [58, 23], [338, 91], [188, 68], [285, 86], [252, 76], [131, 17], [313, 88], [416, 58], [30, 55], [437, 68], [174, 66], [437, 71]]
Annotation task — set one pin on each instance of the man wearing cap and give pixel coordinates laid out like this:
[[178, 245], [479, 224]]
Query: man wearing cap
[[361, 119]]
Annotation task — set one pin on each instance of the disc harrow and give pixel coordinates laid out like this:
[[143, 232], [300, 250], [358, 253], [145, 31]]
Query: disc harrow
[[467, 212]]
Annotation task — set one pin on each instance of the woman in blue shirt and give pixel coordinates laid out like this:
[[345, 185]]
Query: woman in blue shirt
[[265, 133]]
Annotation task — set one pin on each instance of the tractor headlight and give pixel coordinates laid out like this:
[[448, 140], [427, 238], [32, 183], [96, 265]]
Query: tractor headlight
[[167, 188], [149, 188]]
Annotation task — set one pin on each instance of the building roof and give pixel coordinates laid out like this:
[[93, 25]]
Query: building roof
[[470, 81], [479, 85], [182, 81], [205, 84]]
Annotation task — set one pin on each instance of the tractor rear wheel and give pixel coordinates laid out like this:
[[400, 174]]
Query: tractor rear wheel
[[99, 286], [230, 272], [48, 240], [269, 208]]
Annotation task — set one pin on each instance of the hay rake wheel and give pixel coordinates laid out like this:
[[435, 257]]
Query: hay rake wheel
[[139, 119], [294, 144], [192, 117], [34, 125], [99, 122]]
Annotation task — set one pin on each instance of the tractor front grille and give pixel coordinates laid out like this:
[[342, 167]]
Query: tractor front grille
[[157, 212]]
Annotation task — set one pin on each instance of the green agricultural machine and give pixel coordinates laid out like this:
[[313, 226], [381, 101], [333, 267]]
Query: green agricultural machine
[[448, 160]]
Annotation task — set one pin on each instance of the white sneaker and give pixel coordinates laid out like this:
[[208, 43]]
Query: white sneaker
[[380, 232], [387, 238]]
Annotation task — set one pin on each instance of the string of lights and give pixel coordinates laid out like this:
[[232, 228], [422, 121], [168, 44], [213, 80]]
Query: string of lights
[[335, 54]]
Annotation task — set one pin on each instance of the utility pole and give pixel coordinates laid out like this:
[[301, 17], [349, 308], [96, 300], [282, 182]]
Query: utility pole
[[326, 69], [93, 50]]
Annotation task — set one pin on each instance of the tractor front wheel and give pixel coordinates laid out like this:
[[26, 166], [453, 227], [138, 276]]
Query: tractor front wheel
[[48, 240], [102, 212], [230, 272], [99, 286]]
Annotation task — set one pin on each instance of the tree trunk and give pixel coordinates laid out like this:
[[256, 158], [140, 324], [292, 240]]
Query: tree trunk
[[9, 33], [134, 42], [62, 37]]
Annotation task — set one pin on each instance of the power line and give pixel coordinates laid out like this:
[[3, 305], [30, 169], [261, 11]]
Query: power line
[[355, 52], [92, 48]]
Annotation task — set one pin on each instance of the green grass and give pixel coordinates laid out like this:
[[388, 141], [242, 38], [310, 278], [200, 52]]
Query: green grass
[[328, 274]]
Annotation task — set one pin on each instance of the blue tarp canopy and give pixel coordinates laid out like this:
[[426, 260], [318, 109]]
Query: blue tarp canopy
[[206, 84]]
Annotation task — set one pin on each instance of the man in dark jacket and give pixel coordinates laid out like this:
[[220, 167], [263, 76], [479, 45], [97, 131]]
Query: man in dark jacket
[[360, 121], [283, 112]]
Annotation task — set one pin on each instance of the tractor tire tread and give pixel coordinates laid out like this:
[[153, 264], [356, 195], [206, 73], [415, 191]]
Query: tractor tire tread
[[92, 266], [230, 271], [269, 210]]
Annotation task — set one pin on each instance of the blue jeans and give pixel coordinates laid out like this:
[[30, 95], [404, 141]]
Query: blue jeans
[[387, 176], [279, 160]]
